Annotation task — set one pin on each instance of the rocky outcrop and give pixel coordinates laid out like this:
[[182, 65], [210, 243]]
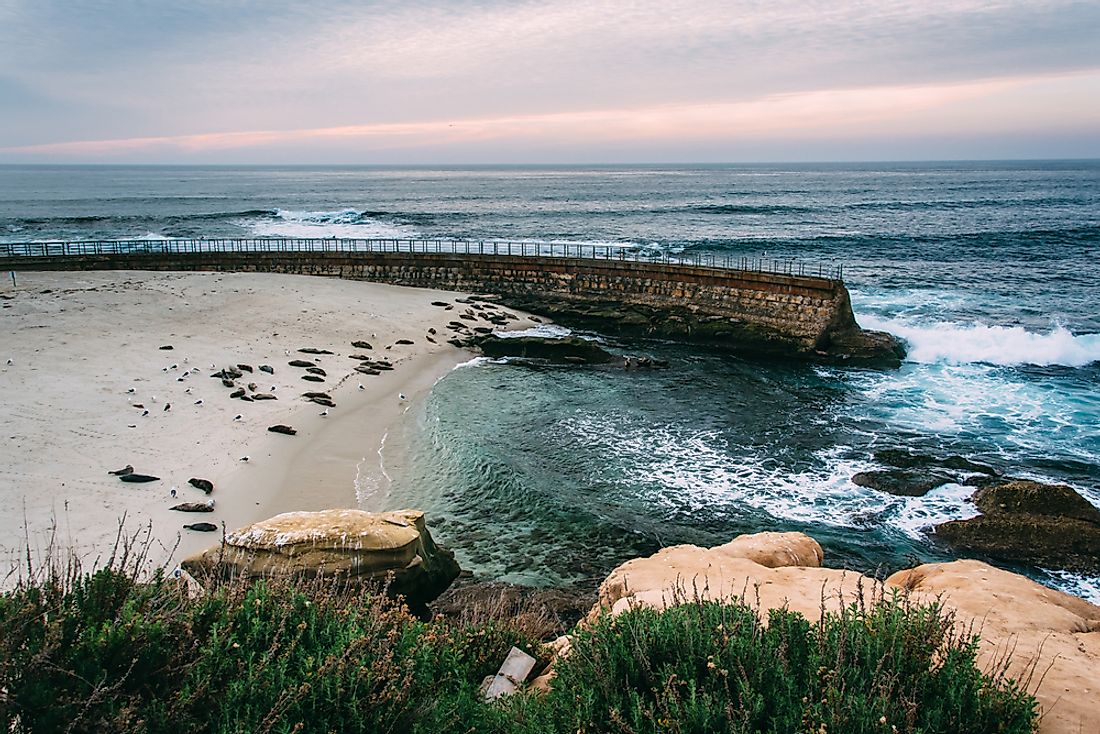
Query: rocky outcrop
[[1053, 638], [343, 545], [1048, 525], [568, 349], [900, 482]]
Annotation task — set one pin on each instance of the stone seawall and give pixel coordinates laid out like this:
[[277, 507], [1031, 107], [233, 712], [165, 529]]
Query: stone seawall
[[763, 313]]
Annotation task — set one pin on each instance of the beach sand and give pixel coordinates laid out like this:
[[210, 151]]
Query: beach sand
[[78, 342]]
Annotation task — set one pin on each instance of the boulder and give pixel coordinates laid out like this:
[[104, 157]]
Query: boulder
[[1053, 638], [345, 545], [1047, 525], [903, 459]]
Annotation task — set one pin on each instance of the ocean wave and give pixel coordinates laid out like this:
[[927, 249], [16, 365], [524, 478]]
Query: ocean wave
[[748, 209], [955, 343], [342, 223]]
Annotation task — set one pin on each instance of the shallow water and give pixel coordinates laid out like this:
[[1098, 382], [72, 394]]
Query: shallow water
[[550, 475]]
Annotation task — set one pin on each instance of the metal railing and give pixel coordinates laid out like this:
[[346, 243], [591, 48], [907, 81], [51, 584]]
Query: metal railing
[[617, 252]]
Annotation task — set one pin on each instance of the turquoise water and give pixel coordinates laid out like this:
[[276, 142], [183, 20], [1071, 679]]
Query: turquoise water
[[553, 475]]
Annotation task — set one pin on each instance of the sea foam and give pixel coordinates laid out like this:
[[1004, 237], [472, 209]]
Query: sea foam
[[956, 343]]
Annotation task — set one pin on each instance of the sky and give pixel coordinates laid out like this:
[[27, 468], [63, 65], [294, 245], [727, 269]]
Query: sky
[[553, 81]]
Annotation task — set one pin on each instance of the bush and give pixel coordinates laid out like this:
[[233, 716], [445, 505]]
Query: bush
[[104, 653]]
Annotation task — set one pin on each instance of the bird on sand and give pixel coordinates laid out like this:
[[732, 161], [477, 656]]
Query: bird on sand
[[244, 458], [401, 396], [144, 413], [173, 492], [130, 390], [10, 363], [167, 407], [238, 417], [361, 386], [198, 402], [324, 412]]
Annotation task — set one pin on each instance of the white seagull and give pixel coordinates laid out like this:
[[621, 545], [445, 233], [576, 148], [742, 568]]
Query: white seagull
[[324, 412], [198, 402], [401, 396], [361, 386], [173, 492]]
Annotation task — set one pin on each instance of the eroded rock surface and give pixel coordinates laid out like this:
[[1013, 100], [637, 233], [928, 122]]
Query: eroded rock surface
[[344, 545]]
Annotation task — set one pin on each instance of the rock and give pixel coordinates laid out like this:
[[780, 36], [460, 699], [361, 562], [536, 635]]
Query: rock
[[267, 368], [313, 378], [280, 428], [555, 350], [324, 395], [1047, 525], [264, 396], [1044, 630], [204, 527], [193, 507], [361, 345], [1025, 496], [901, 482], [314, 350], [316, 371], [128, 469], [1013, 614], [541, 612], [138, 478], [346, 545], [244, 367], [166, 347], [238, 393], [204, 484], [906, 460], [301, 363]]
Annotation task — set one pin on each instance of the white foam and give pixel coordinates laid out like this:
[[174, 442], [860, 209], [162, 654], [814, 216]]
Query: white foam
[[345, 223], [545, 331], [1086, 587], [954, 343]]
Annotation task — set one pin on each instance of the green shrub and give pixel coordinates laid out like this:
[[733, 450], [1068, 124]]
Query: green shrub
[[102, 653]]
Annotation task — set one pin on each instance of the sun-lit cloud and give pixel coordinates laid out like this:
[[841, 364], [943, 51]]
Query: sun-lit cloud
[[160, 78]]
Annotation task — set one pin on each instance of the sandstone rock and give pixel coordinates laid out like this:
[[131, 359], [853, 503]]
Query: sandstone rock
[[1051, 633], [1022, 495], [345, 545]]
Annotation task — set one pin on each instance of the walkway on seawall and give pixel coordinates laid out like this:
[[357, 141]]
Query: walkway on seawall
[[753, 306]]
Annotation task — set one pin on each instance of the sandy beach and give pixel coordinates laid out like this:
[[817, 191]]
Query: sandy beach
[[85, 352]]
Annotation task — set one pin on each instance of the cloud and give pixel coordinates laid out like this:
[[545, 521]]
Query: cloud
[[164, 69]]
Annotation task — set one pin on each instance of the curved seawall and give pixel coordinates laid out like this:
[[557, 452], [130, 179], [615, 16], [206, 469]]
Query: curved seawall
[[749, 311]]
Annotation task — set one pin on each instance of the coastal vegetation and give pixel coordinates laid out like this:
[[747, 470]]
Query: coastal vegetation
[[103, 651]]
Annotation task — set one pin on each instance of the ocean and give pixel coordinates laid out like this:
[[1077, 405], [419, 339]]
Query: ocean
[[552, 476]]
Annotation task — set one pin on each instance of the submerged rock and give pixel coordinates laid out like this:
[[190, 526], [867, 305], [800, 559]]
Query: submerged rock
[[901, 482], [349, 546], [556, 350]]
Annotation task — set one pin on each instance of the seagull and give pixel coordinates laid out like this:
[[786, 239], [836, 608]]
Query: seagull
[[173, 492], [401, 396], [273, 388], [174, 367], [324, 412], [144, 413], [237, 417], [244, 458], [210, 503], [198, 402], [167, 407], [10, 362], [153, 399], [187, 390], [361, 386], [286, 352], [130, 390]]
